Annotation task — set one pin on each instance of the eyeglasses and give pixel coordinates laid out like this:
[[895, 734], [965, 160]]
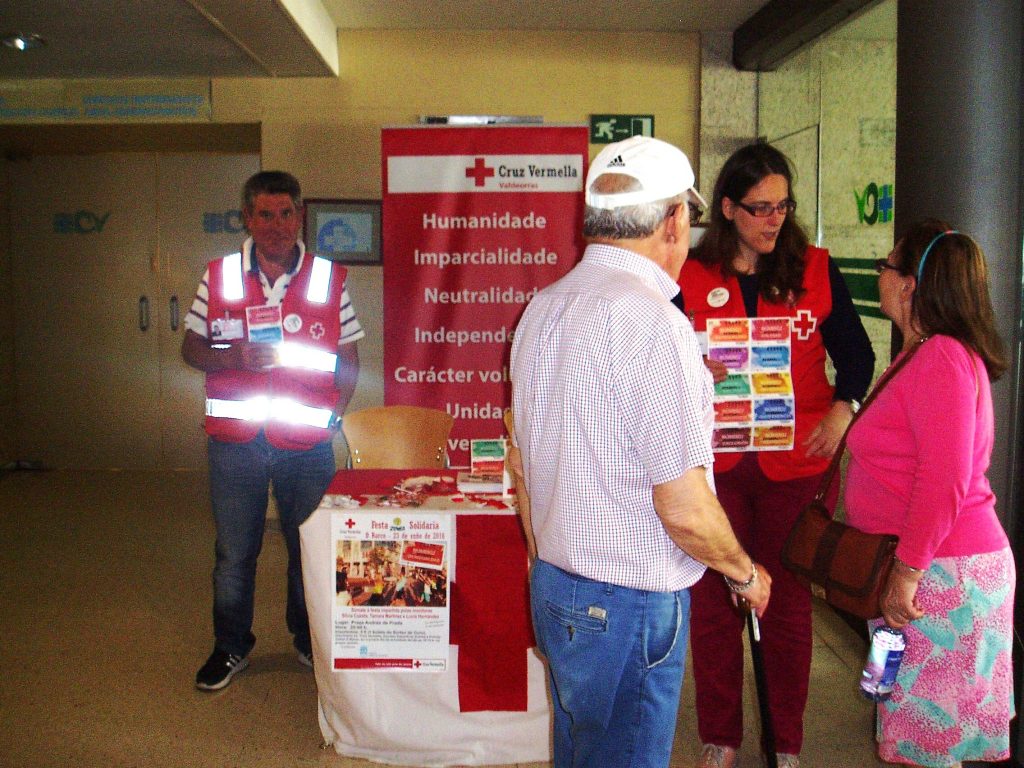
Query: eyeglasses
[[883, 264], [764, 210], [695, 212]]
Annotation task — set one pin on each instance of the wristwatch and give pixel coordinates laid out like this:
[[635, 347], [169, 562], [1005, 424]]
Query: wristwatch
[[854, 404]]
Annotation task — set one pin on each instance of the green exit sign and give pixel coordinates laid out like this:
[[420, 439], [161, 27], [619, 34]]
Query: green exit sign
[[605, 129]]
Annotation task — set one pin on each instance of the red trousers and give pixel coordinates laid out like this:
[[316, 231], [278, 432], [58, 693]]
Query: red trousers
[[761, 511]]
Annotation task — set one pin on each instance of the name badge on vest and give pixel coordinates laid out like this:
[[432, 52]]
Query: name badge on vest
[[265, 324], [226, 328]]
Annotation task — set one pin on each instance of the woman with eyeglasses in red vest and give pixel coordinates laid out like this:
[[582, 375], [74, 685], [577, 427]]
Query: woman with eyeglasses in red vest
[[754, 261]]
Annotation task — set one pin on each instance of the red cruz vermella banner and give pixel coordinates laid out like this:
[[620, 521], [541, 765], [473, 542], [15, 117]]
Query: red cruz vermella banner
[[476, 221]]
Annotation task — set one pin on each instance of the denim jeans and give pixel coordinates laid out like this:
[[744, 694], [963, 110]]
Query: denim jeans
[[615, 662], [240, 478]]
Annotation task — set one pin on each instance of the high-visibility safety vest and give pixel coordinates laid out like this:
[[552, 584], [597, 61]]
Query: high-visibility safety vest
[[709, 294], [294, 401]]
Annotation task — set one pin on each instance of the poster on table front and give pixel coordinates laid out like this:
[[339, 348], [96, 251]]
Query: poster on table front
[[754, 405], [391, 590], [476, 220]]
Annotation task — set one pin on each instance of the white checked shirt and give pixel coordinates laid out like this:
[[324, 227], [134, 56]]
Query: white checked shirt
[[611, 397]]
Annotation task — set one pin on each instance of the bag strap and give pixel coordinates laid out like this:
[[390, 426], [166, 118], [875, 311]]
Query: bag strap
[[837, 457]]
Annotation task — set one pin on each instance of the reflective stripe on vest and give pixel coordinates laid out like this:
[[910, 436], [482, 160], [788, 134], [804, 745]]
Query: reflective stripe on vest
[[232, 277], [292, 355], [318, 292], [319, 282], [264, 409]]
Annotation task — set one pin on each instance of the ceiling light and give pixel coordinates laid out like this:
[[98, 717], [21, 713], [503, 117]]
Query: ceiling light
[[23, 42]]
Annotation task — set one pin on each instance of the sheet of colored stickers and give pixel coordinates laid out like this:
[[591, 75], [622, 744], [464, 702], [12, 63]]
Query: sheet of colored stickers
[[754, 405]]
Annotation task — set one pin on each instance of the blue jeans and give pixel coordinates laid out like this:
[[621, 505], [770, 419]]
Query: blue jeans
[[615, 663], [240, 477]]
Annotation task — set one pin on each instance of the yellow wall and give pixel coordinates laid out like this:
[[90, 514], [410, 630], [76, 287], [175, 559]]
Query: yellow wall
[[6, 333], [327, 131]]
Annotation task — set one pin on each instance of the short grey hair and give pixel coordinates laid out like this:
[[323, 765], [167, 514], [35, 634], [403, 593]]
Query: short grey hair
[[630, 222]]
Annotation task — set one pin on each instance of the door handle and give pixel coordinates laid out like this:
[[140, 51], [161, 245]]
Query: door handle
[[175, 314], [143, 313]]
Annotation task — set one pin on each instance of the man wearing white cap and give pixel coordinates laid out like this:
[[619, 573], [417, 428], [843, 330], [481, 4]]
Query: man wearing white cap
[[613, 417]]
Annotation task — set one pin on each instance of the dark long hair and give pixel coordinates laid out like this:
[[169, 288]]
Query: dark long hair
[[952, 296], [781, 272]]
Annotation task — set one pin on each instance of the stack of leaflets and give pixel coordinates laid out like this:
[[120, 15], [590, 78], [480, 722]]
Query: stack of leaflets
[[486, 468]]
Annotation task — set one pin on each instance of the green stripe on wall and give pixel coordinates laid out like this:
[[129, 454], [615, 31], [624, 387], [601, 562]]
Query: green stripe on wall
[[862, 280], [870, 311], [863, 287]]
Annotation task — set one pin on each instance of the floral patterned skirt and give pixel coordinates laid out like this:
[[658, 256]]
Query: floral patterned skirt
[[953, 698]]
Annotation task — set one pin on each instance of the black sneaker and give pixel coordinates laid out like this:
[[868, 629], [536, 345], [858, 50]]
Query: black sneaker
[[218, 670], [306, 659]]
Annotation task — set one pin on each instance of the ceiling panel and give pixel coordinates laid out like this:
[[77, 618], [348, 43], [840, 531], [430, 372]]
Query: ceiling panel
[[278, 38], [603, 15]]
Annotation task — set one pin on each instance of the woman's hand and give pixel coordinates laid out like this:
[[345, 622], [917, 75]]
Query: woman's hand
[[899, 598], [718, 370], [824, 438]]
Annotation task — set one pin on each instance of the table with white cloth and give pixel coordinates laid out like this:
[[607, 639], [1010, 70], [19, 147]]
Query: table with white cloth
[[490, 706]]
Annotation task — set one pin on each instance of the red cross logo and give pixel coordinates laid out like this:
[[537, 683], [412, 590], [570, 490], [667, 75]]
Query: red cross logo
[[479, 172], [804, 324], [350, 523]]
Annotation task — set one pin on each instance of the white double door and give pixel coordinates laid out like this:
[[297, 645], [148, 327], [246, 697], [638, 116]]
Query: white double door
[[107, 252]]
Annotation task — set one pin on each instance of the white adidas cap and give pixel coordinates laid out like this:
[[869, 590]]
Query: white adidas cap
[[662, 170]]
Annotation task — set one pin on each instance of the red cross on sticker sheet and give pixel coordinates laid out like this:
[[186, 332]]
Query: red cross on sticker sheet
[[479, 172], [804, 324]]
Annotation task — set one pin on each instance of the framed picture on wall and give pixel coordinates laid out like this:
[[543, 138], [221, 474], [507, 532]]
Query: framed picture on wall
[[343, 230]]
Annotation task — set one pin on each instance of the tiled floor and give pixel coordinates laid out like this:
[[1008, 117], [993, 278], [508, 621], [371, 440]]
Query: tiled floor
[[104, 618]]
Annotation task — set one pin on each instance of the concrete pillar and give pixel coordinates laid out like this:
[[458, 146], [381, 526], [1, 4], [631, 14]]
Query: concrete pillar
[[959, 158]]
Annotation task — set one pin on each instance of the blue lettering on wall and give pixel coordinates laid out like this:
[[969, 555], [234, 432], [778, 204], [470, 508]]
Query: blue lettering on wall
[[230, 221], [79, 223]]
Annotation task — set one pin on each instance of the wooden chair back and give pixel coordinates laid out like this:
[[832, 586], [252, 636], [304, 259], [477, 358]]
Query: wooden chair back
[[397, 437]]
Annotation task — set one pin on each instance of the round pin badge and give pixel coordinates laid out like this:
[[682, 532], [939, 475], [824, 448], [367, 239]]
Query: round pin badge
[[293, 323], [718, 297]]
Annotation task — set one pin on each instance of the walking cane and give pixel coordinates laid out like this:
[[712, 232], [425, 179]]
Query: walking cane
[[756, 655]]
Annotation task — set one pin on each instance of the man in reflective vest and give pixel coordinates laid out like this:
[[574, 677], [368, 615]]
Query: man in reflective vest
[[274, 330]]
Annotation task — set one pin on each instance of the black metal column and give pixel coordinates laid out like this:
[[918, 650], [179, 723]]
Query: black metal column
[[959, 157]]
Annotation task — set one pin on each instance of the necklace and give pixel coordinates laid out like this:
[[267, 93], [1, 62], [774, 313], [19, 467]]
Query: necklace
[[916, 342]]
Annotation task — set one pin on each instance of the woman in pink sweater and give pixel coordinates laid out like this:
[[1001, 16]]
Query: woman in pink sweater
[[918, 458]]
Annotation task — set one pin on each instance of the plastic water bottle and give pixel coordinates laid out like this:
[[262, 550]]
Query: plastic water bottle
[[884, 657]]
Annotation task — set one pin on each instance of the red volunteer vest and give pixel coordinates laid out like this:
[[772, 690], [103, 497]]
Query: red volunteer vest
[[813, 393], [308, 323]]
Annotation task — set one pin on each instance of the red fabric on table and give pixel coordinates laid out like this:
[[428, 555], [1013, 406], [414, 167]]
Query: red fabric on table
[[372, 482], [490, 620]]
